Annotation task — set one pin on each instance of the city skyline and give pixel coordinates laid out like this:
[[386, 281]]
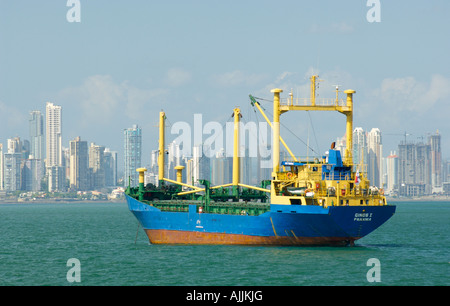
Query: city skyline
[[417, 170], [148, 143], [36, 119]]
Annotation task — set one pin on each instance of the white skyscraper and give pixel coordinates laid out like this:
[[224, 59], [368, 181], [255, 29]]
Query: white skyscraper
[[200, 165], [359, 147], [392, 173], [374, 156], [173, 160], [132, 154], [11, 163], [53, 161], [221, 168], [196, 151], [53, 135]]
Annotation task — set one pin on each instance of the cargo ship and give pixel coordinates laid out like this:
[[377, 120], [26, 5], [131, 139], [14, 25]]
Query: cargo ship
[[322, 201]]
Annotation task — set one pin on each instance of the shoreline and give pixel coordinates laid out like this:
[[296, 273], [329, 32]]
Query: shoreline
[[420, 199], [67, 201], [60, 201]]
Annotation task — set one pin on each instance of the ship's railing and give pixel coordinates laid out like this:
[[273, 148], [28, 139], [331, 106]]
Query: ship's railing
[[308, 102], [313, 172], [304, 175], [316, 176], [343, 189], [362, 168], [303, 159]]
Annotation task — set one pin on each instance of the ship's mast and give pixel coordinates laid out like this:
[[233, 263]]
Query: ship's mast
[[162, 117], [349, 129], [236, 174], [313, 105], [276, 130]]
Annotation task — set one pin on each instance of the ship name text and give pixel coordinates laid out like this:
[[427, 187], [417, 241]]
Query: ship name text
[[363, 217]]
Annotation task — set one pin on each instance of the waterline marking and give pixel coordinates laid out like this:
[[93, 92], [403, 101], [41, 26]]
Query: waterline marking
[[74, 273], [374, 273]]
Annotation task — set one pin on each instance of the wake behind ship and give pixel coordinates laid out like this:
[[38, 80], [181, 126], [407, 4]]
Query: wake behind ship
[[323, 201]]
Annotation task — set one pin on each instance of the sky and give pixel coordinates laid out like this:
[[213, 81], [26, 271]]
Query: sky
[[125, 61]]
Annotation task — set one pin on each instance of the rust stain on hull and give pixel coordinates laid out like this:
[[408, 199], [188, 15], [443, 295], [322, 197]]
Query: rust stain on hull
[[203, 238]]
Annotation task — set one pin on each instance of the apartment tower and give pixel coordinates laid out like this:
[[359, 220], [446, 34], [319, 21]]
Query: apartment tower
[[53, 161], [132, 154]]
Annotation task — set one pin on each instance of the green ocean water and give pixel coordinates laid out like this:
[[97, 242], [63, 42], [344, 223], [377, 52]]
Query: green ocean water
[[37, 240]]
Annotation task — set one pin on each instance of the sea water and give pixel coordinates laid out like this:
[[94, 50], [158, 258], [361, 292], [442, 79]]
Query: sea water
[[37, 242]]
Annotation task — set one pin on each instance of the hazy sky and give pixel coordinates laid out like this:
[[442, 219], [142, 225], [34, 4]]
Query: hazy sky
[[127, 60]]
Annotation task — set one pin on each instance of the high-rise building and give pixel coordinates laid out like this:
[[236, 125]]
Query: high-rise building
[[414, 169], [154, 161], [190, 171], [56, 173], [12, 165], [132, 154], [173, 159], [53, 135], [391, 173], [446, 177], [36, 125], [200, 165], [96, 163], [56, 178], [66, 163], [79, 165], [221, 168], [436, 162], [341, 145], [32, 174], [445, 173], [110, 164], [374, 157], [11, 174], [359, 147], [14, 145], [246, 165], [265, 164]]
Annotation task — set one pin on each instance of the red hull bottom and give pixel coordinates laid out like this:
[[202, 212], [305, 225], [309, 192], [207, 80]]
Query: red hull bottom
[[185, 237]]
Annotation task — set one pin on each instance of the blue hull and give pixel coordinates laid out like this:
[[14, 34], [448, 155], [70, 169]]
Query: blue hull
[[282, 225]]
